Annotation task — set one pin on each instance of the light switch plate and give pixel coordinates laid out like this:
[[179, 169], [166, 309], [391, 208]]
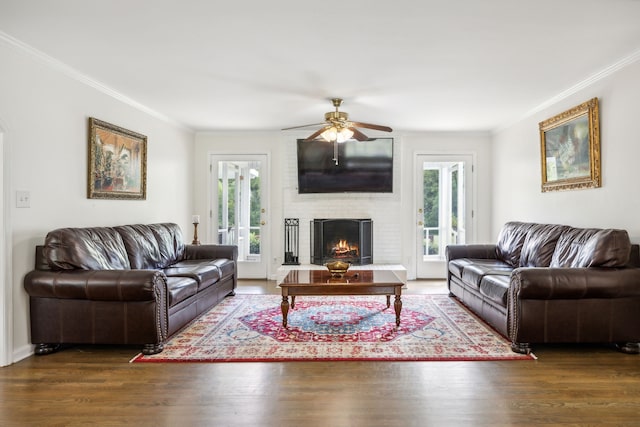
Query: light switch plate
[[23, 199]]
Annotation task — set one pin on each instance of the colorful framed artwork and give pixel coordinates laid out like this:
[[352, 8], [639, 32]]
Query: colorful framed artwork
[[117, 162], [570, 149]]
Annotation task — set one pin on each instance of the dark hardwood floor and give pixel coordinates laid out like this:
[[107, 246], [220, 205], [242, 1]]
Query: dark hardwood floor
[[95, 385]]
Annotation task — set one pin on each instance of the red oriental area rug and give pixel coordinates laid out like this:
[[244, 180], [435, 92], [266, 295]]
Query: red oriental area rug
[[248, 328]]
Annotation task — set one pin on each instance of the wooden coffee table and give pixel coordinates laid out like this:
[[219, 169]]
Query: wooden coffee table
[[354, 282]]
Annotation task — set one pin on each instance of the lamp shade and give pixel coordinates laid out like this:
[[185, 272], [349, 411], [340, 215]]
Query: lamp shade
[[333, 134]]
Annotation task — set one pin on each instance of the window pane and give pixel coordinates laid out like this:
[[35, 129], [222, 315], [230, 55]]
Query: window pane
[[255, 214], [227, 204], [431, 197], [431, 209]]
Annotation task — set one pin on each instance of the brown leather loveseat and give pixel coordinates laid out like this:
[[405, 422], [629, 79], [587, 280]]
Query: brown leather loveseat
[[547, 283], [130, 284]]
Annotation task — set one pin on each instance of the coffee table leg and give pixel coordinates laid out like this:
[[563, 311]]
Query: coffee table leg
[[397, 305], [388, 301], [285, 310]]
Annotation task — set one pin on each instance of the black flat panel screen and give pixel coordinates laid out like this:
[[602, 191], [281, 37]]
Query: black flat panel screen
[[355, 167]]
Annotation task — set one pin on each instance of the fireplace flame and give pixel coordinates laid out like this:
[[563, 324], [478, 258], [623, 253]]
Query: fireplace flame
[[343, 248]]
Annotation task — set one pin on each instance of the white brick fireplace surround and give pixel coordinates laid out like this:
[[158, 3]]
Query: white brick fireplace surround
[[384, 209]]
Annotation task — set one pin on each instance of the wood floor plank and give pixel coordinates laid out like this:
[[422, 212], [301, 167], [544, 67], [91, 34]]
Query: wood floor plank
[[96, 385]]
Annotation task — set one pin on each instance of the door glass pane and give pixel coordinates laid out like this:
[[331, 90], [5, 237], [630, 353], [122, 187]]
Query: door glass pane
[[239, 207], [227, 174], [255, 212], [454, 205], [443, 196], [431, 209]]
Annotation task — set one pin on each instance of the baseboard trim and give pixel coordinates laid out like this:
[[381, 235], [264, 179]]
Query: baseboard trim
[[23, 352]]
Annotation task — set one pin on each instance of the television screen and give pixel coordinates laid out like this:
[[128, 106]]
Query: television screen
[[347, 167]]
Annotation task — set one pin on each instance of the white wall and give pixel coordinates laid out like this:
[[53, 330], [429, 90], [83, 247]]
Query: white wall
[[44, 115], [517, 165], [392, 214]]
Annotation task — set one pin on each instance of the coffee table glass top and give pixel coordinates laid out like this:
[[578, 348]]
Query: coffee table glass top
[[315, 277]]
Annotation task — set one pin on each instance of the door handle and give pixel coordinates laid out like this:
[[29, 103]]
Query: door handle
[[263, 222]]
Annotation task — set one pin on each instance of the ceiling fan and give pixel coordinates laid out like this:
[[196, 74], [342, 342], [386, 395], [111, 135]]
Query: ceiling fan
[[338, 128]]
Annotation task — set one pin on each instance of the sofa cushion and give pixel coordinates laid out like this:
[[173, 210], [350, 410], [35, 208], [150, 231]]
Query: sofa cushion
[[170, 241], [94, 248], [510, 241], [590, 247], [539, 245], [142, 247], [495, 287], [153, 246], [227, 267], [473, 273], [456, 266], [203, 272], [180, 288], [606, 248]]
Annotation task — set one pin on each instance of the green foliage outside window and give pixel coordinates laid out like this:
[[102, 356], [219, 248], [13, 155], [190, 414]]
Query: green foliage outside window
[[255, 215], [432, 208], [255, 206], [454, 201], [431, 197], [231, 203]]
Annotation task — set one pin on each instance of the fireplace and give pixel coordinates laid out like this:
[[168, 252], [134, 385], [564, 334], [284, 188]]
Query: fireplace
[[344, 239]]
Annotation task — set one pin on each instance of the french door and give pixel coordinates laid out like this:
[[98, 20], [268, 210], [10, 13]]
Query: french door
[[239, 209], [443, 209]]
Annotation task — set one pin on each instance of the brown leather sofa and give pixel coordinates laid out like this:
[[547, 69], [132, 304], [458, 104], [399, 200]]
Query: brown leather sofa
[[547, 283], [130, 284]]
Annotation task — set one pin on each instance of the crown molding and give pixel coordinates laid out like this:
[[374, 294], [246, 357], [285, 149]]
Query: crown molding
[[74, 74], [605, 72]]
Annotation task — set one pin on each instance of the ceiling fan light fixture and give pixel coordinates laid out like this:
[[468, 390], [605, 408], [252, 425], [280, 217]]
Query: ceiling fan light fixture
[[334, 134], [330, 134], [344, 134], [338, 128]]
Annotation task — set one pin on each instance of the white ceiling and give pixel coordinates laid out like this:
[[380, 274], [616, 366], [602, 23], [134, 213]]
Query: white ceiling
[[264, 65]]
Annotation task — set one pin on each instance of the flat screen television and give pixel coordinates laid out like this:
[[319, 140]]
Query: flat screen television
[[347, 167]]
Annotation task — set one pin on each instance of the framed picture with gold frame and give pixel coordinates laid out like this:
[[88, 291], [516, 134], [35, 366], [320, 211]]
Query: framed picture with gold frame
[[117, 162], [570, 148]]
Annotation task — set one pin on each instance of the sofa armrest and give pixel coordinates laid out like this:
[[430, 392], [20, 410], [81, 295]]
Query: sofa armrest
[[478, 251], [97, 285], [574, 283], [211, 252]]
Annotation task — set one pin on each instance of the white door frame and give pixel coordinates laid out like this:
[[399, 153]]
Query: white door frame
[[437, 267], [246, 270]]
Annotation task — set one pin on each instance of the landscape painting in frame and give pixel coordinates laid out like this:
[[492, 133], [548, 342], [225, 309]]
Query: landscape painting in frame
[[117, 162], [570, 148]]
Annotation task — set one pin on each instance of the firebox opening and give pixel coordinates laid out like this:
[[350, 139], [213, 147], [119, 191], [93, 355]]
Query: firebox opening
[[347, 240]]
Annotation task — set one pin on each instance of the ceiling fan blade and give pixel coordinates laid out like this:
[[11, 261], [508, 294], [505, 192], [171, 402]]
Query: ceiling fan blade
[[305, 126], [316, 133], [357, 135], [370, 126]]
